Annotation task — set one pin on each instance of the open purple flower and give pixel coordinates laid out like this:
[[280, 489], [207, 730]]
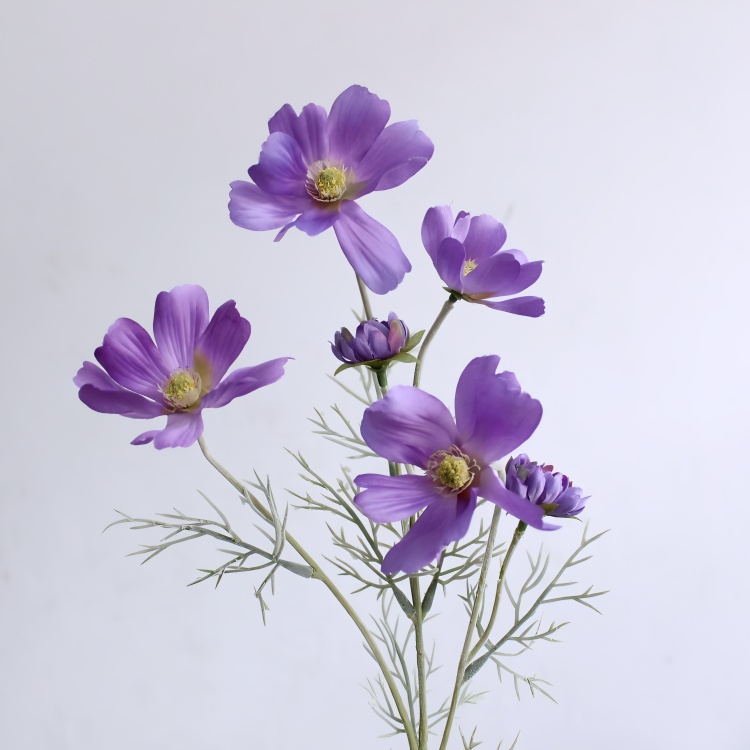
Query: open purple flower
[[181, 374], [313, 167], [467, 256], [493, 417], [543, 486]]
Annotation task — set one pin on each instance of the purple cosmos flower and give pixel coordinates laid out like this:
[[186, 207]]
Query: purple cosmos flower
[[544, 487], [374, 342], [493, 417], [178, 376], [466, 254], [315, 165]]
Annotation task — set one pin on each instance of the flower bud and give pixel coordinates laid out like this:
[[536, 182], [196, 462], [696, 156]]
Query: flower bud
[[542, 486], [374, 341]]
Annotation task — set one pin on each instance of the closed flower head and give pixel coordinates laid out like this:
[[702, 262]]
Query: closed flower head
[[374, 343]]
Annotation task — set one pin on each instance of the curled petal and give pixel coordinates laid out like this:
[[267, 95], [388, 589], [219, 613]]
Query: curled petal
[[442, 522], [182, 430], [372, 251], [388, 499], [180, 317], [493, 415], [244, 381], [485, 237], [492, 488], [450, 263], [281, 170], [357, 118], [493, 276], [100, 393], [436, 226], [531, 307], [251, 208], [131, 358], [221, 343], [399, 152], [408, 426], [308, 129]]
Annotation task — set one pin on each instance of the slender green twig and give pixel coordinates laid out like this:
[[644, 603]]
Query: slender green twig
[[517, 534], [320, 574], [463, 660], [365, 298], [442, 315], [416, 598]]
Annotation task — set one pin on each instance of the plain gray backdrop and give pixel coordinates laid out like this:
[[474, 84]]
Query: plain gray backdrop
[[611, 137]]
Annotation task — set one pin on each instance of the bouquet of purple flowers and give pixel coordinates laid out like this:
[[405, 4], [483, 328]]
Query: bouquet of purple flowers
[[410, 525]]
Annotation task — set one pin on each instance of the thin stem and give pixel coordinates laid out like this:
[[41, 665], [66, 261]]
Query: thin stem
[[319, 573], [418, 621], [463, 660], [517, 534], [365, 298], [442, 315]]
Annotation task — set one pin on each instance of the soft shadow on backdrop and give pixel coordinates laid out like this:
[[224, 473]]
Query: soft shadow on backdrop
[[611, 137]]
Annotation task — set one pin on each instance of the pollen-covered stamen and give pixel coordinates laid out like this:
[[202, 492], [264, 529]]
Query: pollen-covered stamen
[[326, 182], [183, 389], [452, 470], [469, 266]]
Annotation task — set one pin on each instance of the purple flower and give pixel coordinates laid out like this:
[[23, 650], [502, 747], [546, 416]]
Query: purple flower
[[466, 254], [375, 343], [493, 417], [178, 376], [544, 487], [313, 167]]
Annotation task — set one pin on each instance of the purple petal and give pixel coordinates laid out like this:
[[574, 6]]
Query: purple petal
[[180, 317], [408, 426], [251, 208], [493, 415], [131, 358], [442, 522], [389, 499], [309, 129], [357, 118], [100, 393], [450, 263], [492, 488], [492, 276], [399, 152], [182, 430], [317, 218], [244, 381], [220, 345], [485, 237], [372, 251], [281, 169], [436, 226], [531, 307]]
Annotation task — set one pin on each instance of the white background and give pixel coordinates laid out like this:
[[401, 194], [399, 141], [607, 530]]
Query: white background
[[612, 137]]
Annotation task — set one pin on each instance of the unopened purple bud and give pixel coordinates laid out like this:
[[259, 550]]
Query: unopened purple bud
[[543, 486], [373, 341]]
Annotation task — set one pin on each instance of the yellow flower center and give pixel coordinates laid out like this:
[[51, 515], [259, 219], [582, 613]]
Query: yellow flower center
[[183, 389], [331, 184], [453, 472], [469, 266]]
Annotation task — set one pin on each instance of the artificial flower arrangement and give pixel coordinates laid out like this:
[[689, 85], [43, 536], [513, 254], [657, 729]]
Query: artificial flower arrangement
[[410, 524]]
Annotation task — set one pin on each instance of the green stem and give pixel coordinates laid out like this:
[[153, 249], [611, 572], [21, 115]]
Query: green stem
[[442, 315], [417, 619], [320, 575], [517, 534], [478, 594], [365, 298]]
